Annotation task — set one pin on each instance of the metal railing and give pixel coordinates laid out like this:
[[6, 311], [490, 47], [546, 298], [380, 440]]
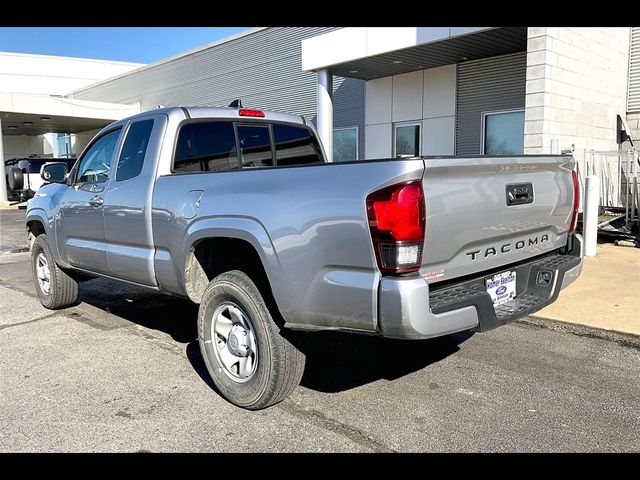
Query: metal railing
[[619, 172]]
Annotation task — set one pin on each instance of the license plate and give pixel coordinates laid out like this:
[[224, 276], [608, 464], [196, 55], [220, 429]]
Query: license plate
[[502, 287]]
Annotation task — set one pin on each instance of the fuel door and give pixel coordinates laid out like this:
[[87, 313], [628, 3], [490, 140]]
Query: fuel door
[[191, 204]]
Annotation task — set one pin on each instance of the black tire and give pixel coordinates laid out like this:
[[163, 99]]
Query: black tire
[[63, 290], [279, 366], [15, 178]]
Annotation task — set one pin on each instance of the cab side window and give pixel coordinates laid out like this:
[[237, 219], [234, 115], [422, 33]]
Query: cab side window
[[208, 146], [96, 163], [295, 145], [134, 150]]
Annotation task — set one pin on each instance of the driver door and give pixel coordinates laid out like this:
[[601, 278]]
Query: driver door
[[80, 226]]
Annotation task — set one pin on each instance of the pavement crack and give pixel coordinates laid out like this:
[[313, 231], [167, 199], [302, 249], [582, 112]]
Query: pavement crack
[[168, 345], [53, 314], [319, 418], [17, 289]]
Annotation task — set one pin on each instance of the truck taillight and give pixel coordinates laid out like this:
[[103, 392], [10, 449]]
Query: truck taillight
[[576, 202], [397, 223]]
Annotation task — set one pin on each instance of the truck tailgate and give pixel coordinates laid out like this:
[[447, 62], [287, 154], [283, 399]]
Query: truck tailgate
[[487, 212]]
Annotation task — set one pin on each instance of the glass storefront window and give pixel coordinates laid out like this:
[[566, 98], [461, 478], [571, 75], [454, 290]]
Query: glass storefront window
[[345, 144], [503, 133], [406, 140]]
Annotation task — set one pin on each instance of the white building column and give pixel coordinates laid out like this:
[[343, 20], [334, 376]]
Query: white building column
[[3, 183], [590, 214], [324, 117]]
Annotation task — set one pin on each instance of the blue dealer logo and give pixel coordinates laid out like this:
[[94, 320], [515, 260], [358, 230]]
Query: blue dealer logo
[[501, 290]]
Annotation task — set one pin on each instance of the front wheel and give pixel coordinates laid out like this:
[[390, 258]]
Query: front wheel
[[250, 362], [54, 287]]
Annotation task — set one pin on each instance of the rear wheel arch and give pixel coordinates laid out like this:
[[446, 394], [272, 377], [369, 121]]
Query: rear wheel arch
[[209, 257]]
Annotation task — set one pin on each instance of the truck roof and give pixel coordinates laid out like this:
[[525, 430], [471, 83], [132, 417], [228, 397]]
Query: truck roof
[[225, 112]]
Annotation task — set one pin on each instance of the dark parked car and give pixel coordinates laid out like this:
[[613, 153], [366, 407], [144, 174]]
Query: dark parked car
[[23, 175]]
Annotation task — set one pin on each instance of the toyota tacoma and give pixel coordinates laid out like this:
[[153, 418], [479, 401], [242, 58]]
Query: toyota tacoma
[[238, 210]]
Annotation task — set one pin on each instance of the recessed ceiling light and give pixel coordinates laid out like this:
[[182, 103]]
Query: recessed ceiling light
[[12, 127], [397, 61], [27, 123], [353, 71], [45, 118]]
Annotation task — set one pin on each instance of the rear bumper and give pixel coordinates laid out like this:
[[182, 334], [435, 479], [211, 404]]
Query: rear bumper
[[409, 309]]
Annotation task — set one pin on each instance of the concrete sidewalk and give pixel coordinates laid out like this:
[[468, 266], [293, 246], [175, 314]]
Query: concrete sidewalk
[[605, 296]]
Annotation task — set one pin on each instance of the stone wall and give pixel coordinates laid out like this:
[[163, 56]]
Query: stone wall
[[576, 85]]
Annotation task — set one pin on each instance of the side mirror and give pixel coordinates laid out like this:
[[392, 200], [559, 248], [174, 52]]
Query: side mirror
[[55, 172]]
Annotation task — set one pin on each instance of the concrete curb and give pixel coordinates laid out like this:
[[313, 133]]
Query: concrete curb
[[623, 338], [7, 250]]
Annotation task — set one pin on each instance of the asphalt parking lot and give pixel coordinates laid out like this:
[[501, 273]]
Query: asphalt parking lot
[[122, 371]]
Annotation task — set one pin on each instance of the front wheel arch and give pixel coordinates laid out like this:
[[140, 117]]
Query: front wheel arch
[[35, 229]]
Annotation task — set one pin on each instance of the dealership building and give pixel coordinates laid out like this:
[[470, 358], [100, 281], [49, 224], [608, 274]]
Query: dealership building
[[371, 92]]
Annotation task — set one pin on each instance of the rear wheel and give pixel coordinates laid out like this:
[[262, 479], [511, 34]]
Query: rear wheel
[[54, 287], [250, 362]]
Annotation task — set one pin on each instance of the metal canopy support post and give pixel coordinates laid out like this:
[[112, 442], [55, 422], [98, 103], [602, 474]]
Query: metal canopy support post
[[3, 182], [325, 111]]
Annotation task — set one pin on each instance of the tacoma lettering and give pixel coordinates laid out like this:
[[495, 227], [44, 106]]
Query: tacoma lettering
[[506, 247]]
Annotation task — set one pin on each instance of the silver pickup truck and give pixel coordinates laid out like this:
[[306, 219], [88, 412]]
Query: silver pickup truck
[[237, 210]]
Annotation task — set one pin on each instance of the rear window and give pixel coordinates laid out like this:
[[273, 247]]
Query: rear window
[[206, 147], [295, 145], [36, 165], [255, 146], [211, 146]]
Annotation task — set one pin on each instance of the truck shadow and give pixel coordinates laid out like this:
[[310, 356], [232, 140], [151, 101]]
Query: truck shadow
[[335, 361], [174, 316], [341, 361]]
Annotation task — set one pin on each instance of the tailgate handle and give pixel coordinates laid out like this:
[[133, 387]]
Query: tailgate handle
[[519, 193]]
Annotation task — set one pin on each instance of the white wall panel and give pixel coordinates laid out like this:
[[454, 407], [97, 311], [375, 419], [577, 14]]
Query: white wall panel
[[407, 96], [377, 143]]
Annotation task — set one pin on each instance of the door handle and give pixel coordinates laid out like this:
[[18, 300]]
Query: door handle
[[96, 201]]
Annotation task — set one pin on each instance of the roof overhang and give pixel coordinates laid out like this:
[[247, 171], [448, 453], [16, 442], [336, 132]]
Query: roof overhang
[[374, 52], [28, 114]]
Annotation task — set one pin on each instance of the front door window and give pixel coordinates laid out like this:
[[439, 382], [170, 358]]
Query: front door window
[[96, 163]]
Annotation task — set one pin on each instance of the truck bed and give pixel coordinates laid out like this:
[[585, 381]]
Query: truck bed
[[310, 225]]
